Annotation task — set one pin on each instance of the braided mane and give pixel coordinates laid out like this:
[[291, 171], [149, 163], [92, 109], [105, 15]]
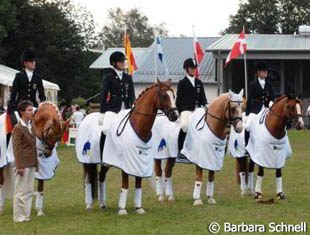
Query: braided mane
[[144, 91]]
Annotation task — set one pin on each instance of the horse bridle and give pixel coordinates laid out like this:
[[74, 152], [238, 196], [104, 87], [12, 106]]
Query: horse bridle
[[167, 112], [289, 118], [231, 120]]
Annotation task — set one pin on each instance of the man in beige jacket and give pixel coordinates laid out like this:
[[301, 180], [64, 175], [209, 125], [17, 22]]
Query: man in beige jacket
[[26, 162]]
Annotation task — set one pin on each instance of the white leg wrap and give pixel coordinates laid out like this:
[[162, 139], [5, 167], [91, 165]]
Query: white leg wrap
[[138, 198], [88, 195], [123, 198], [251, 181], [159, 185], [39, 200], [169, 190], [1, 196], [258, 186], [197, 190], [242, 182], [102, 193], [210, 189], [279, 184]]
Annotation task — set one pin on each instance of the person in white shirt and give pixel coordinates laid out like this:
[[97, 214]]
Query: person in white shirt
[[77, 117]]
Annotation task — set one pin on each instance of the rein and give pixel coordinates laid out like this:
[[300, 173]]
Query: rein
[[132, 110], [230, 119]]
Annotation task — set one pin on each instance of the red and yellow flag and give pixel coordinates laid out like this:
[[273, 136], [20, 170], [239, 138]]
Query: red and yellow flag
[[130, 57]]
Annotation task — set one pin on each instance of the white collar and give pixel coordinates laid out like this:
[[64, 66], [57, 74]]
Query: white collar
[[119, 73], [29, 74], [191, 79], [25, 124]]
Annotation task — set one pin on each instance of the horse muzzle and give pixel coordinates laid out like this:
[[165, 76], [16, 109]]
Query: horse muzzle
[[299, 124], [238, 126], [173, 116]]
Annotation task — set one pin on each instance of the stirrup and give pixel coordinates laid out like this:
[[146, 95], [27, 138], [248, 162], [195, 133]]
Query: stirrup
[[280, 196]]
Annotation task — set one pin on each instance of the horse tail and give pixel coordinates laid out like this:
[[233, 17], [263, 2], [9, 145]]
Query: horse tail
[[91, 176]]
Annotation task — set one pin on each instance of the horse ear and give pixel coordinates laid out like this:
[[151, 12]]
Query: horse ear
[[241, 93], [169, 82], [158, 81], [230, 93]]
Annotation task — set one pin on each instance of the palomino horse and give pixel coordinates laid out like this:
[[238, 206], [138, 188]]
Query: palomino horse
[[47, 125], [138, 160], [268, 131], [206, 139]]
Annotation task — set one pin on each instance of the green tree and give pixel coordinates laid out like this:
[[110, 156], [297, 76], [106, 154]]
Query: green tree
[[257, 16], [60, 37], [136, 24], [293, 14]]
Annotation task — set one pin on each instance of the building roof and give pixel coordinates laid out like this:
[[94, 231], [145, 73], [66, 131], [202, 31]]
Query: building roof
[[264, 42], [175, 50], [7, 76], [103, 60]]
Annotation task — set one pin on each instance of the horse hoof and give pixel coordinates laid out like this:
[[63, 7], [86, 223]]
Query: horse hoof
[[170, 198], [122, 212], [258, 196], [89, 207], [197, 202], [280, 196], [140, 211], [211, 201], [102, 206], [251, 193], [161, 198], [40, 213], [244, 193]]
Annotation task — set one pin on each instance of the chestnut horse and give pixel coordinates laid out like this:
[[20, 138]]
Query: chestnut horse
[[274, 121], [206, 139], [47, 125], [141, 119]]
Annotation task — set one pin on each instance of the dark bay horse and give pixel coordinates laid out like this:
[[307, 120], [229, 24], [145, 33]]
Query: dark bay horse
[[141, 118], [48, 126], [285, 111], [206, 147]]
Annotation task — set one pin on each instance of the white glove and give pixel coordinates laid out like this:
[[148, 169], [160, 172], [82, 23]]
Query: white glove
[[100, 119], [270, 104]]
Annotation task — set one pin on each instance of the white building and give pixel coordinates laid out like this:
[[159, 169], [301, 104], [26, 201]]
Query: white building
[[7, 76]]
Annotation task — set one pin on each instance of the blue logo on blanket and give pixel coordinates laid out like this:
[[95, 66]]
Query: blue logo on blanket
[[236, 145], [276, 147], [162, 145], [86, 149]]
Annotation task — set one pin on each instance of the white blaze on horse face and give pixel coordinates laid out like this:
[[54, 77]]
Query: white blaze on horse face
[[300, 120], [237, 103], [172, 98]]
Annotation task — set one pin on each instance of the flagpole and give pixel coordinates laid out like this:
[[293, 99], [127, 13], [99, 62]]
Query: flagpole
[[155, 56], [245, 72], [245, 77], [195, 51]]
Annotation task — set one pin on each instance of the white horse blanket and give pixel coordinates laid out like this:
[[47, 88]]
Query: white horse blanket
[[47, 165], [264, 149], [165, 137], [127, 151], [236, 143], [87, 145], [202, 147]]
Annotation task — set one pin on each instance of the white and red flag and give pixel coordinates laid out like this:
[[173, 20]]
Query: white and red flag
[[198, 54], [238, 48]]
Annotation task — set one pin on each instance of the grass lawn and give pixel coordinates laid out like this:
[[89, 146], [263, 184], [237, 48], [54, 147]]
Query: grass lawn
[[65, 209]]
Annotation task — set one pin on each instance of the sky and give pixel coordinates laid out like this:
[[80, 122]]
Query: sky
[[209, 17]]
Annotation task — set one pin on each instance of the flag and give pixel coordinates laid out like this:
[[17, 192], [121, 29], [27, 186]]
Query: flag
[[132, 66], [238, 48], [198, 54], [160, 53]]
